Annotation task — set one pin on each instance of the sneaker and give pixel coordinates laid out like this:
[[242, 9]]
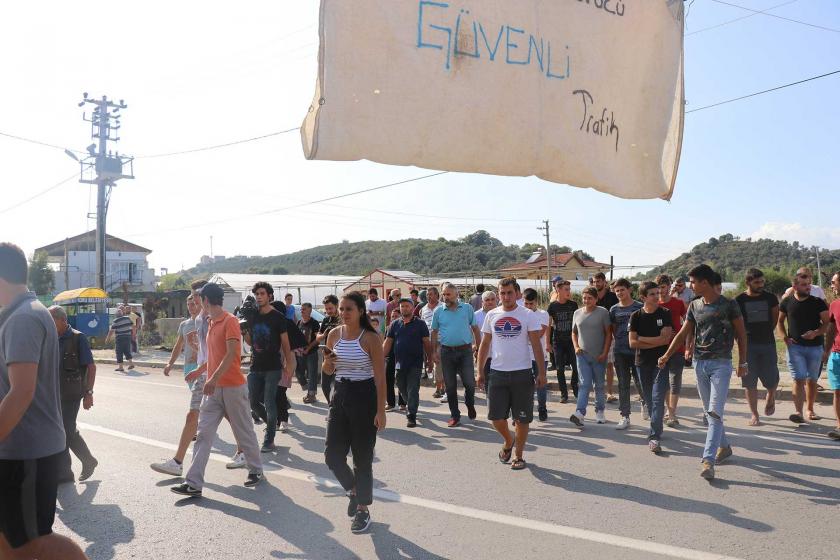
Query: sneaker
[[437, 394], [454, 422], [131, 366], [309, 398], [654, 447], [403, 408], [723, 453], [267, 447], [169, 467], [87, 470], [257, 420], [708, 470], [237, 461], [576, 419], [445, 398], [471, 413], [834, 434], [352, 506], [119, 369], [284, 427], [600, 418], [564, 400], [186, 490], [389, 407], [361, 521], [623, 424], [411, 422], [672, 422], [543, 415], [611, 398], [253, 479]]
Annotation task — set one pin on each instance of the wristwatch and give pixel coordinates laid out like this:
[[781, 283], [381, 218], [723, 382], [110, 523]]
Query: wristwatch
[[89, 392]]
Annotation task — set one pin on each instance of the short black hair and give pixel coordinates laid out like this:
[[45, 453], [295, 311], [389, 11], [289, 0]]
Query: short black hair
[[592, 291], [306, 304], [414, 292], [718, 279], [663, 279], [479, 288], [264, 285], [703, 272], [13, 266], [198, 284], [530, 294], [509, 281], [646, 287], [213, 293], [288, 295], [373, 291], [753, 274], [600, 276], [330, 299], [624, 283]]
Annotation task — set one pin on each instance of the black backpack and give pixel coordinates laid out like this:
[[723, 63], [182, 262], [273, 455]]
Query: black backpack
[[296, 338]]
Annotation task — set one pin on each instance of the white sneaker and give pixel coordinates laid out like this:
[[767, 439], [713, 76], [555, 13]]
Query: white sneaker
[[445, 399], [168, 467], [600, 418], [623, 424], [284, 427], [237, 461]]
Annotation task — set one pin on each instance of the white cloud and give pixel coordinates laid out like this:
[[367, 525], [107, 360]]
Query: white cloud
[[825, 237]]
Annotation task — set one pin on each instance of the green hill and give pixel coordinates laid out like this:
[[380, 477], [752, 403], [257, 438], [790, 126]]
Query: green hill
[[732, 256], [476, 252]]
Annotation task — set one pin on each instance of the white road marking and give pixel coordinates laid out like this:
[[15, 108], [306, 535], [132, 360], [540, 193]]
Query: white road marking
[[463, 511]]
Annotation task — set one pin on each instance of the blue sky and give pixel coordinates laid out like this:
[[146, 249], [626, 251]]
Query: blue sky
[[766, 165]]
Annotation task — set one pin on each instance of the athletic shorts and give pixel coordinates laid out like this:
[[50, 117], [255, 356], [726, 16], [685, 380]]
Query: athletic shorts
[[805, 362], [762, 363], [511, 392], [834, 371], [28, 491], [196, 387]]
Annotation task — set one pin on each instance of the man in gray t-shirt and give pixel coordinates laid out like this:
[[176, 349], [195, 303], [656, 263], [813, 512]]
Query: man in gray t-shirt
[[32, 437], [591, 340]]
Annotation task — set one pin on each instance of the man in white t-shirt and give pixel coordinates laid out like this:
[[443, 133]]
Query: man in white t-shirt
[[532, 300], [509, 331], [427, 312], [375, 308]]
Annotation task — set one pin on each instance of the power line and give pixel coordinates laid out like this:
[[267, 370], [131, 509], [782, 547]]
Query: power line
[[740, 18], [38, 142], [217, 146], [763, 92], [293, 206], [765, 13], [39, 193]]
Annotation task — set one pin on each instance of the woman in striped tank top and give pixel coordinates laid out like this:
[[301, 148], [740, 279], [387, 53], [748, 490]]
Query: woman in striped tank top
[[357, 408]]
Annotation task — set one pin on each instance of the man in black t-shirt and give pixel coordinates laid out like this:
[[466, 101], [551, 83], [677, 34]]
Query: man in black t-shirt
[[807, 320], [272, 363], [650, 333], [760, 310], [307, 368], [330, 321], [561, 311], [606, 299]]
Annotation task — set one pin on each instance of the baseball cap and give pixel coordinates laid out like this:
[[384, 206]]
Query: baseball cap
[[556, 279]]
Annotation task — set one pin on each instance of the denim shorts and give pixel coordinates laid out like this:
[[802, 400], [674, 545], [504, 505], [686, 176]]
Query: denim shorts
[[804, 361]]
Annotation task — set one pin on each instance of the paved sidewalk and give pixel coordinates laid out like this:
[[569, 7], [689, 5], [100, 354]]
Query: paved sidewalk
[[156, 358]]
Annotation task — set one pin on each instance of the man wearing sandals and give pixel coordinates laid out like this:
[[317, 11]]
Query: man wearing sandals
[[803, 320], [508, 331], [832, 352], [761, 314]]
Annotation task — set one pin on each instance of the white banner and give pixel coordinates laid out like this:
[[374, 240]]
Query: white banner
[[583, 92]]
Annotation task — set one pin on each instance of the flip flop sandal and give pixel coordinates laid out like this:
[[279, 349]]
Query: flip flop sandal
[[518, 464], [505, 454], [796, 418], [755, 422], [770, 410], [814, 417]]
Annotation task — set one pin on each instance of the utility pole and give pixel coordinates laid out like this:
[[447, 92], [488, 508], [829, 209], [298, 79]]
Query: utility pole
[[819, 270], [103, 168], [547, 252], [612, 266]]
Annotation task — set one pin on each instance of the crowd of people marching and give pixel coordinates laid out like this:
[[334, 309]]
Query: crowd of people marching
[[369, 356]]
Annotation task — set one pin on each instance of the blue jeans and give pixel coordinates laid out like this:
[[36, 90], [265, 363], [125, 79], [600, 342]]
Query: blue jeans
[[590, 370], [308, 367], [713, 385], [654, 387], [262, 391], [542, 394]]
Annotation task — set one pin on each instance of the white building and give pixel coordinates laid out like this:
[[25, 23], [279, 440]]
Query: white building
[[74, 263]]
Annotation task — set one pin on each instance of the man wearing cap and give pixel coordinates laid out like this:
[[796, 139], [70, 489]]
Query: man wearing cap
[[225, 395], [561, 310]]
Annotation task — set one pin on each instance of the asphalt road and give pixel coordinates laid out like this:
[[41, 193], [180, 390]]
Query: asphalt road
[[442, 493]]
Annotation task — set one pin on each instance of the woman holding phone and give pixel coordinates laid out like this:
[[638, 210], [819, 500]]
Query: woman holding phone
[[357, 409]]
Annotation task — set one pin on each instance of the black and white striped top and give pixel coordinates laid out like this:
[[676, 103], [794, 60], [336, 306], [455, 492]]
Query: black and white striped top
[[351, 361], [122, 326]]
